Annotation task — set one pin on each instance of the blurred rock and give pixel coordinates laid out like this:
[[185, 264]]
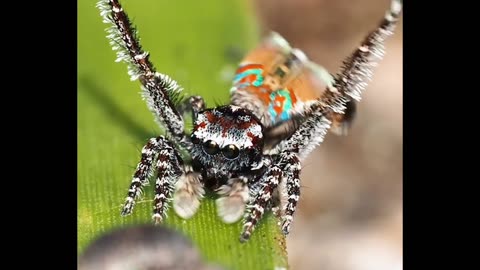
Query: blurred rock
[[145, 247]]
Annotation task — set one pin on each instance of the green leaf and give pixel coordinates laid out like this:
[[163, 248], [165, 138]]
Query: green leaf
[[198, 43]]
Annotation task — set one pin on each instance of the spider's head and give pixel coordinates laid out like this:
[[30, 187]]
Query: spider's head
[[227, 138]]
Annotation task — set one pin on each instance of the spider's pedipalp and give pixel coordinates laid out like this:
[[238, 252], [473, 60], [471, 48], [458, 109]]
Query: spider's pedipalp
[[142, 173], [189, 192], [233, 198]]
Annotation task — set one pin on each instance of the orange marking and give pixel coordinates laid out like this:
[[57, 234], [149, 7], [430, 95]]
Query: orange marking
[[292, 96], [250, 79]]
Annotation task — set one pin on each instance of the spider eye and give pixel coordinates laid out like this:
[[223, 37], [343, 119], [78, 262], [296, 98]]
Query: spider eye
[[230, 151], [195, 140], [210, 147]]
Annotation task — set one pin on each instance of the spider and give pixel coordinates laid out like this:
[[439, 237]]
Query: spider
[[248, 151]]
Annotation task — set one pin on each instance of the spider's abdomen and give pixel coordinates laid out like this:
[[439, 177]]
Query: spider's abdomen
[[276, 82], [226, 140]]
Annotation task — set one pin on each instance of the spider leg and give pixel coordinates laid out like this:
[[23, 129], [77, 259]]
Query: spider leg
[[357, 69], [283, 176], [233, 198], [261, 197], [194, 104], [349, 84], [169, 169], [342, 122], [142, 173], [291, 168], [160, 91]]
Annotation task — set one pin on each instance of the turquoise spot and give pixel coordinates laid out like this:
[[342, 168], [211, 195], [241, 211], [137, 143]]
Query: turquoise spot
[[287, 105], [258, 79]]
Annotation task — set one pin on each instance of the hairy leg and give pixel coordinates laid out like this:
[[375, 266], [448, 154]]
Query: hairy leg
[[142, 173], [169, 169], [261, 197], [161, 92], [342, 122], [291, 167], [349, 84], [194, 104]]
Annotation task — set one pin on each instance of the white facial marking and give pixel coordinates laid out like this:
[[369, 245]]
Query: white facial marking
[[215, 132]]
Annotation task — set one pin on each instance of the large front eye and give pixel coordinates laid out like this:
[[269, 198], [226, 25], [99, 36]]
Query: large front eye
[[210, 147], [230, 151]]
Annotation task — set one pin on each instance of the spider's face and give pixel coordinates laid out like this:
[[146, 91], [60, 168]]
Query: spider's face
[[227, 139]]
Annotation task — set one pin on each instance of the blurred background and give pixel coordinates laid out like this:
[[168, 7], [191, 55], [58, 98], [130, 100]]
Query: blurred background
[[350, 211]]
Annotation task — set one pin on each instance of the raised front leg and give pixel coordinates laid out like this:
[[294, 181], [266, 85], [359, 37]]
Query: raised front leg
[[160, 91], [349, 85]]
